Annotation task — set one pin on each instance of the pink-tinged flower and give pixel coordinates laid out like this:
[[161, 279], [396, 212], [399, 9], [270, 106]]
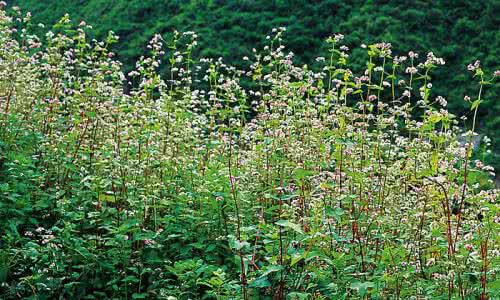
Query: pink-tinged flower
[[474, 67], [469, 247], [411, 70], [441, 100], [433, 60], [46, 238], [466, 98], [496, 73], [430, 262], [3, 4], [149, 242], [338, 37], [35, 45], [372, 98], [398, 60]]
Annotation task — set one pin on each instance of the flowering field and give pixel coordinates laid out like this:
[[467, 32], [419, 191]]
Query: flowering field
[[277, 181]]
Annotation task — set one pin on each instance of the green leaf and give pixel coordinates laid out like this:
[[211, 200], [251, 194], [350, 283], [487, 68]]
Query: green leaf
[[288, 224], [362, 287], [139, 296], [301, 173], [130, 279], [297, 257], [475, 104], [297, 296], [271, 269], [336, 212], [237, 245], [260, 282]]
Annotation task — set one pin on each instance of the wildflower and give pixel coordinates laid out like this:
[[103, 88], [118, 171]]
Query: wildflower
[[479, 164], [467, 98], [474, 67], [469, 247], [338, 37], [411, 70], [399, 60], [382, 49], [35, 45], [496, 73], [133, 73], [3, 4], [46, 238], [149, 242], [372, 97], [430, 262], [406, 94], [441, 100], [433, 60]]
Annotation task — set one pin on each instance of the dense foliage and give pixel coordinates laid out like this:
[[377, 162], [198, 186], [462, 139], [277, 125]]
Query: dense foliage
[[315, 183], [459, 31]]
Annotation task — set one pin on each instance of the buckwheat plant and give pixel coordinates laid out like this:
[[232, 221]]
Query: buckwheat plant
[[190, 179]]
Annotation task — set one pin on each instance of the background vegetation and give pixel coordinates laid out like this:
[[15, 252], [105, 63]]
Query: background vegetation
[[459, 31]]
